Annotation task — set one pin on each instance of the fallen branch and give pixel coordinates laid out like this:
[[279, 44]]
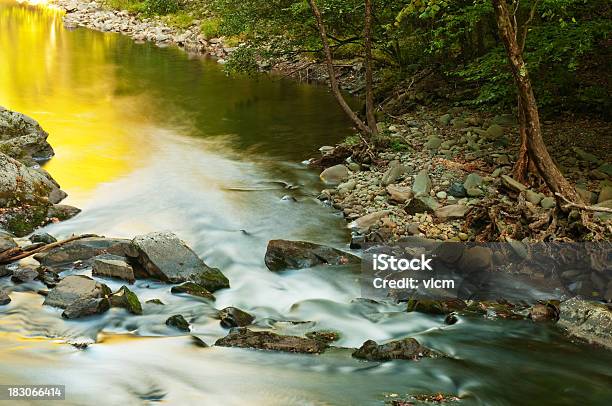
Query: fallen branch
[[570, 204], [17, 254]]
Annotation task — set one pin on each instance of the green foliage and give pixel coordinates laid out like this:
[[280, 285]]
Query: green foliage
[[211, 28], [243, 60], [399, 146], [161, 7], [132, 6], [181, 19]]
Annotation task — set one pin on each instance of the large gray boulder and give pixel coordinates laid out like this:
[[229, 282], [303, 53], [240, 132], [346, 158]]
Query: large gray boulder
[[282, 255], [22, 185], [23, 138], [590, 321], [165, 257], [75, 288]]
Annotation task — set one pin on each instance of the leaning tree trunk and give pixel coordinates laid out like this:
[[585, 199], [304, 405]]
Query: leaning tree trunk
[[333, 83], [521, 167], [536, 148], [368, 65]]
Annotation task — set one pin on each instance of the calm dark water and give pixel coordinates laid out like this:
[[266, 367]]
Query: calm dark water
[[150, 139]]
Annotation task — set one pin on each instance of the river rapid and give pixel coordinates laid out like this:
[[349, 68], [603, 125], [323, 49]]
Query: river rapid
[[152, 139]]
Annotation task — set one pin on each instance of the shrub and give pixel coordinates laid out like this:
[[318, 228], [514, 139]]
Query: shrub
[[211, 28], [161, 7]]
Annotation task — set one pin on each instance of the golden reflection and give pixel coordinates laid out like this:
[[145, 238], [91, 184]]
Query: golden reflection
[[68, 82]]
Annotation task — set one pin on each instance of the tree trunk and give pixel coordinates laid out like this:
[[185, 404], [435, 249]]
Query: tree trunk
[[333, 83], [521, 167], [536, 148], [368, 65]]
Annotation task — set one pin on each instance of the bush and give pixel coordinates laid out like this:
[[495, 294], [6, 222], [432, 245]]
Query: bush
[[180, 20], [131, 6], [161, 7], [211, 28]]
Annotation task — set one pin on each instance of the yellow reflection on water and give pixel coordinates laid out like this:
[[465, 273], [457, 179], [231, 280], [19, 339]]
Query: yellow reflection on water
[[67, 82]]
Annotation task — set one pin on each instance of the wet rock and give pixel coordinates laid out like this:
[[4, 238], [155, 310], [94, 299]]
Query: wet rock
[[4, 297], [512, 184], [399, 194], [86, 307], [126, 299], [542, 312], [548, 203], [24, 275], [62, 212], [263, 340], [283, 254], [113, 266], [457, 190], [165, 257], [233, 317], [198, 342], [453, 211], [407, 348], [473, 180], [155, 301], [22, 137], [327, 337], [178, 322], [430, 306], [422, 184], [6, 241], [393, 173], [334, 175], [476, 259], [421, 204], [587, 320], [85, 250], [193, 289], [4, 271], [73, 288], [364, 223], [44, 238]]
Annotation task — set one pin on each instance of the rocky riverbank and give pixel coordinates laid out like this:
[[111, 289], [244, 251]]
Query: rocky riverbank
[[29, 196], [95, 16]]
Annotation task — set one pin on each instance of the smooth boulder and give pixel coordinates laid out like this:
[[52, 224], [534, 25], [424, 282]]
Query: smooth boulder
[[73, 288], [283, 254]]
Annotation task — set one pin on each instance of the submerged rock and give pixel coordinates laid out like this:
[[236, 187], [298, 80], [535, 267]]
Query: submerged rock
[[193, 289], [165, 257], [283, 254], [233, 317], [113, 266], [264, 340], [178, 321], [86, 307], [126, 299], [407, 348], [590, 321], [73, 288]]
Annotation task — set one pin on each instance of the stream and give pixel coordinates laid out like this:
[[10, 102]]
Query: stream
[[153, 139]]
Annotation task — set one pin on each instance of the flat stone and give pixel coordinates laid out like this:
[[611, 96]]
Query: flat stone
[[453, 211], [233, 317], [512, 184], [422, 183], [406, 349], [84, 250], [73, 288], [399, 194], [86, 307], [335, 175], [472, 180], [24, 275], [421, 204], [364, 223], [474, 192], [113, 266], [193, 289], [264, 340], [586, 156], [282, 255], [433, 143], [44, 238]]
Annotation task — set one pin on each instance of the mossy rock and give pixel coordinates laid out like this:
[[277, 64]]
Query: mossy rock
[[193, 289], [178, 321], [126, 299]]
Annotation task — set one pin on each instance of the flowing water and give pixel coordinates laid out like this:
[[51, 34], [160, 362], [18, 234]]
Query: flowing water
[[151, 139]]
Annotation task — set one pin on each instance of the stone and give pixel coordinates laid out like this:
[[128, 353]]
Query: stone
[[282, 255], [441, 195], [62, 212], [407, 349], [605, 194], [4, 271], [86, 307], [548, 203], [586, 196], [85, 250], [445, 119], [24, 275], [354, 167], [6, 241], [587, 320], [155, 301], [459, 123], [421, 204], [433, 143], [475, 192], [165, 257], [399, 194], [494, 131], [476, 259], [541, 312], [606, 168], [73, 288], [512, 184], [178, 322], [585, 156], [334, 175], [364, 223], [457, 190], [533, 197], [422, 183], [472, 180], [193, 289], [601, 215], [126, 299], [113, 266], [326, 337], [22, 137], [233, 317], [430, 306], [44, 238], [453, 211], [4, 298], [394, 171], [347, 186], [264, 340]]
